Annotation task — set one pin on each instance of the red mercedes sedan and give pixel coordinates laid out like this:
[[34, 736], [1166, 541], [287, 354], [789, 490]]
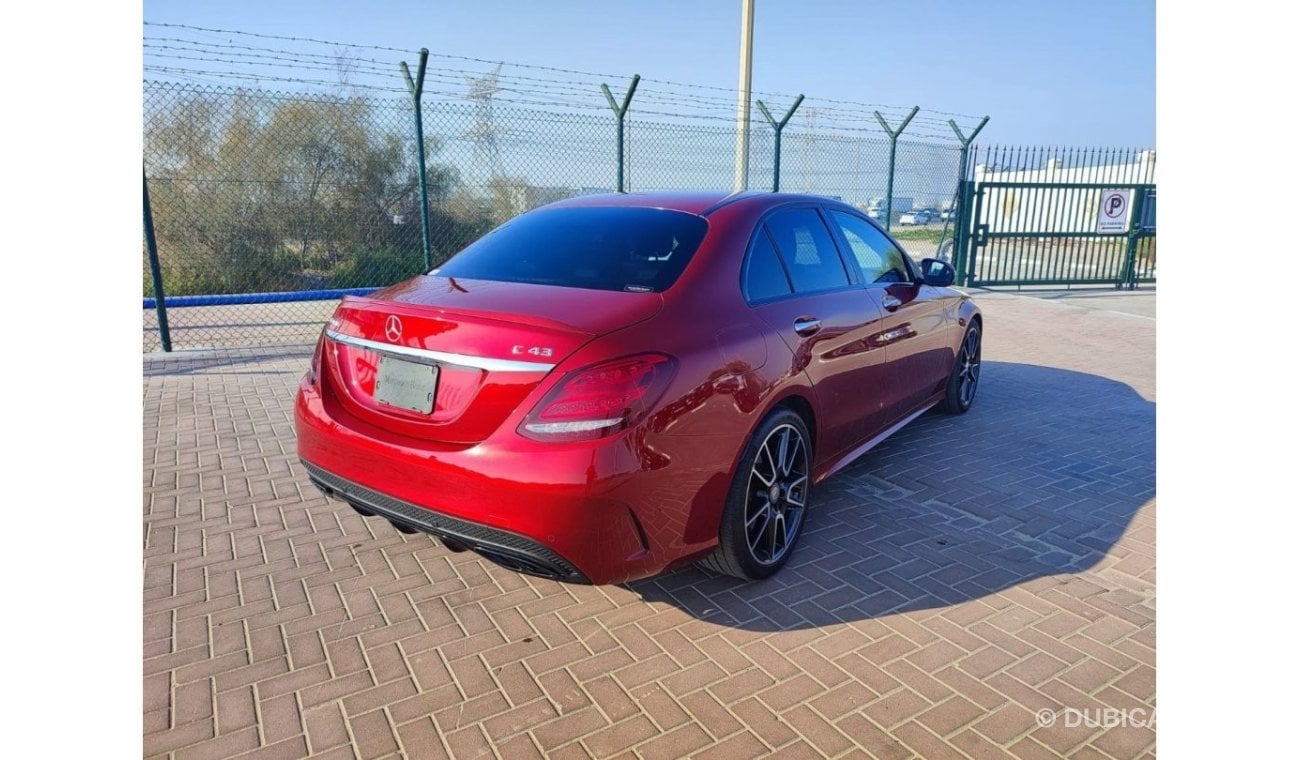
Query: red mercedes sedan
[[611, 386]]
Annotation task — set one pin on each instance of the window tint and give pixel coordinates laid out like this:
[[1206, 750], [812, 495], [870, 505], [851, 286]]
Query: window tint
[[600, 248], [881, 261], [764, 277], [806, 248]]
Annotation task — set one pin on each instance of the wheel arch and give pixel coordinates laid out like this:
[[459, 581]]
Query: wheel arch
[[801, 406], [798, 399], [726, 558], [705, 514], [968, 312]]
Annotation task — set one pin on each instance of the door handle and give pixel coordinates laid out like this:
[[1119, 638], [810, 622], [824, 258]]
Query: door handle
[[806, 326], [890, 303]]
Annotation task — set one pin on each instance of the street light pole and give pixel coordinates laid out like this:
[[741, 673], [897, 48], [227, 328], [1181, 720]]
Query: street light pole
[[742, 97]]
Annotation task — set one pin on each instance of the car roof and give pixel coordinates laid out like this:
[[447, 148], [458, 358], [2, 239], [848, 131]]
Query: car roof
[[691, 202]]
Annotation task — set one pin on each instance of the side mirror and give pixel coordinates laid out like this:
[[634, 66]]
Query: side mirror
[[938, 273]]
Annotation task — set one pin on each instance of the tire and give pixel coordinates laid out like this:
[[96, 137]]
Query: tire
[[965, 377], [751, 546]]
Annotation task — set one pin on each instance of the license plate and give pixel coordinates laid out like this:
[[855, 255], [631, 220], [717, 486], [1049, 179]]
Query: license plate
[[406, 385]]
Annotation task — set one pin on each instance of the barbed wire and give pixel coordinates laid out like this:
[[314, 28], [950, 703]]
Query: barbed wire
[[540, 86], [248, 49], [649, 80], [276, 37], [197, 74]]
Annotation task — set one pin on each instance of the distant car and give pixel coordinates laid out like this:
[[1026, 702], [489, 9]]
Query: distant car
[[949, 215], [612, 385], [918, 217]]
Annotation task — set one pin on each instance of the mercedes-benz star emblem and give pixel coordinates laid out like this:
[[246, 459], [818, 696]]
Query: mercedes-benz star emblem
[[393, 329]]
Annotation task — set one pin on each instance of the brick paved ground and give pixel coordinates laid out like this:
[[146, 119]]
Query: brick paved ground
[[964, 575]]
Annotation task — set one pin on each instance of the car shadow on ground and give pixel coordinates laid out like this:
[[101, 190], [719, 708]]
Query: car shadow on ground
[[1040, 478]]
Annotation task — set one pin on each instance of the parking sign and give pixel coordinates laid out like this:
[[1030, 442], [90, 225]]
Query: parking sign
[[1112, 214]]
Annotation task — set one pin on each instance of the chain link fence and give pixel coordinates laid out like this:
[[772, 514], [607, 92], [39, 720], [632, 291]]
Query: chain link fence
[[267, 205]]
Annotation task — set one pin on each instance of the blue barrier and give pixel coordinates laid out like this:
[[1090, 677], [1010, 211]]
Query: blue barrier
[[239, 299]]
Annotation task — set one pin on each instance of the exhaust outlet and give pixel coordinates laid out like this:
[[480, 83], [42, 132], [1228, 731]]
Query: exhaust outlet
[[360, 509], [453, 545]]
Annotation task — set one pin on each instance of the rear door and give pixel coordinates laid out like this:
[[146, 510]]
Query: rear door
[[915, 328], [797, 282]]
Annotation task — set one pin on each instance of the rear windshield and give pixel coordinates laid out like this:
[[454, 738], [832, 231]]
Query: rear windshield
[[640, 250]]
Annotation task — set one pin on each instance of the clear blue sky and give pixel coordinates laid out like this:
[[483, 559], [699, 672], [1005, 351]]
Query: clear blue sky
[[1060, 72]]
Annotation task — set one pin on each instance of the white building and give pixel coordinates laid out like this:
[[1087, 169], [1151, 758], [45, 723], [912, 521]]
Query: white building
[[1047, 209]]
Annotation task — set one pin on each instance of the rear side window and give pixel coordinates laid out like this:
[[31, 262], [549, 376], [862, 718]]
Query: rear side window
[[806, 247], [764, 277], [881, 261], [640, 250]]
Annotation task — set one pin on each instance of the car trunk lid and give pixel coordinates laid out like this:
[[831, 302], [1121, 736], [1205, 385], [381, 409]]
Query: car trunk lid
[[447, 359]]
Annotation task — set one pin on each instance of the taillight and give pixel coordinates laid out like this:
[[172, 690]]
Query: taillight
[[600, 400]]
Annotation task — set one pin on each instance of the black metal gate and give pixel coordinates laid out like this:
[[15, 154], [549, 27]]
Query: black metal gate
[[1030, 233], [1021, 231]]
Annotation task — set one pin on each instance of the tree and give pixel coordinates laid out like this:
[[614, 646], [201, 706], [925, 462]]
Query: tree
[[253, 192]]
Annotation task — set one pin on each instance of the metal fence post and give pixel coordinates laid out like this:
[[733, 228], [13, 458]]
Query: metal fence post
[[417, 90], [151, 243], [1134, 231], [778, 126], [964, 191], [619, 113], [972, 239], [893, 150]]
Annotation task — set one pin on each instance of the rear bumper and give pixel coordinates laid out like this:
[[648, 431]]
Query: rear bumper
[[506, 548], [585, 513]]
